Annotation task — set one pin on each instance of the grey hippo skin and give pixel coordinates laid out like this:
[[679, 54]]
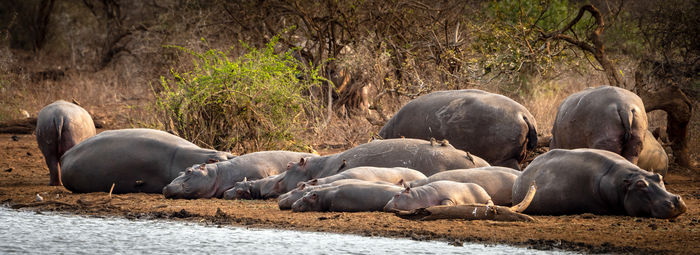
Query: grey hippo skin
[[606, 118], [424, 156], [395, 175], [594, 181], [212, 180], [352, 197], [255, 189], [653, 157], [491, 126], [438, 193], [136, 160], [60, 126], [286, 200], [497, 181]]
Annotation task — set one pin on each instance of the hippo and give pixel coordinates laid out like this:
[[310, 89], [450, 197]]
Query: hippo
[[496, 180], [594, 181], [606, 118], [438, 193], [368, 173], [60, 126], [427, 157], [286, 200], [653, 157], [351, 197], [211, 180], [491, 126], [134, 160], [254, 189]]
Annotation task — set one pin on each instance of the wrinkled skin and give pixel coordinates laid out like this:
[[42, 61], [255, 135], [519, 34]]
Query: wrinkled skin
[[396, 175], [423, 156], [353, 197], [653, 157], [438, 193], [60, 126], [594, 181], [286, 200], [255, 189], [212, 180], [135, 160], [497, 181], [606, 118], [491, 126]]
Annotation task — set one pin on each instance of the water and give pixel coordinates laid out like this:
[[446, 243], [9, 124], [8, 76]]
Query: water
[[48, 233]]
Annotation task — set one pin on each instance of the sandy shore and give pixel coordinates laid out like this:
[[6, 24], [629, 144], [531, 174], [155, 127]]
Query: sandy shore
[[23, 175]]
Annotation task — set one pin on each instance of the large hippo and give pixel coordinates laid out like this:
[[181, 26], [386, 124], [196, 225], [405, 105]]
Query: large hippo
[[60, 126], [424, 156], [653, 157], [212, 180], [254, 189], [352, 197], [497, 181], [438, 193], [135, 160], [594, 181], [286, 200], [368, 173], [491, 126], [606, 118]]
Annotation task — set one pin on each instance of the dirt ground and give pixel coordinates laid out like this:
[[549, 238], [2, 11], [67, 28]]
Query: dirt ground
[[23, 175]]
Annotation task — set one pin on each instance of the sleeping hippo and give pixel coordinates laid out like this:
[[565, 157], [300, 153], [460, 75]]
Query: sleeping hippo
[[368, 173], [362, 196], [653, 157], [255, 189], [60, 126], [594, 181], [491, 126], [438, 193], [496, 180], [135, 160], [424, 156], [286, 200], [211, 180], [606, 118]]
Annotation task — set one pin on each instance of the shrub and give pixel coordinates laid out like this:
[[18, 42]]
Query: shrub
[[252, 102]]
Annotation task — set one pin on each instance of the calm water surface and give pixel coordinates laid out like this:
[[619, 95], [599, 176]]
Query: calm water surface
[[30, 232]]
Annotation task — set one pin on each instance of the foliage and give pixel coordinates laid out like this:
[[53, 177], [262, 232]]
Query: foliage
[[253, 102]]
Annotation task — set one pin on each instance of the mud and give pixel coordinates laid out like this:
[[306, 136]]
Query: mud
[[23, 175]]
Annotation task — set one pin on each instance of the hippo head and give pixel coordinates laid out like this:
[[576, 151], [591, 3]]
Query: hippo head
[[646, 196], [296, 174], [198, 181], [286, 200], [400, 201], [308, 202], [240, 190]]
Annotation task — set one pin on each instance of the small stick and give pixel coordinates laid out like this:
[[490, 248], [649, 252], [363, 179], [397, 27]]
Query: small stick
[[110, 191]]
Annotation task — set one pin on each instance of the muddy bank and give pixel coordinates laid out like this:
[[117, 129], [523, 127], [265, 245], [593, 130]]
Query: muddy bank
[[23, 175]]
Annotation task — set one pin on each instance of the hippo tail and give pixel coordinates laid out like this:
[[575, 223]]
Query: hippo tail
[[58, 123], [626, 117], [531, 134]]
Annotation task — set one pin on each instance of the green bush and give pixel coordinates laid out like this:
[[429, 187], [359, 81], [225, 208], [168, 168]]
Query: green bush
[[253, 102]]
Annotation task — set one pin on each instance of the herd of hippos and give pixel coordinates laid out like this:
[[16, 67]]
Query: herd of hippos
[[444, 148]]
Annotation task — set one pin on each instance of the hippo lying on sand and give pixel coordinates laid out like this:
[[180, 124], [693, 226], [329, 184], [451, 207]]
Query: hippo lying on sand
[[653, 157], [286, 200], [211, 180], [497, 181], [606, 118], [352, 197], [424, 156], [438, 193], [395, 175], [594, 181], [255, 189], [491, 126], [60, 126], [135, 160]]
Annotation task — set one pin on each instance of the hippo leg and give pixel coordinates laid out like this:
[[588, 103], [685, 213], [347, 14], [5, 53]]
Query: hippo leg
[[54, 169]]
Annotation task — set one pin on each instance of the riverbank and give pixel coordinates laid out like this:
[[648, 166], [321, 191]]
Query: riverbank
[[23, 175]]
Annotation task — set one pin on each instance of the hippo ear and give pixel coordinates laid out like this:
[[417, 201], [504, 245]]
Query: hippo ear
[[313, 197], [469, 156], [402, 183], [188, 170], [302, 162], [245, 178], [313, 181], [343, 165], [212, 160], [202, 166], [407, 190], [302, 186]]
